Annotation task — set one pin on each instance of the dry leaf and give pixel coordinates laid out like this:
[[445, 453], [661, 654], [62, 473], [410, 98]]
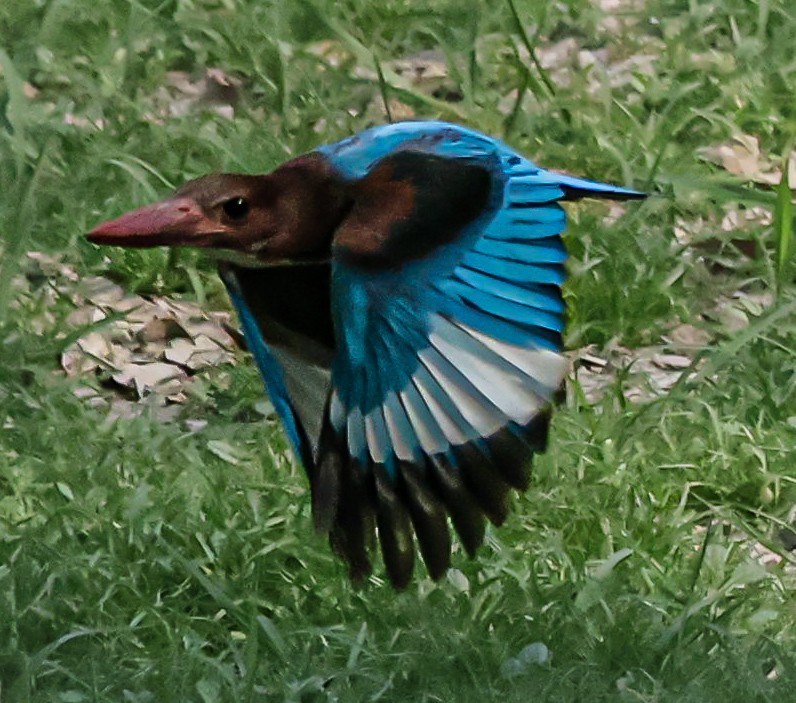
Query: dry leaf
[[755, 303], [671, 361], [625, 72], [194, 425], [160, 329], [763, 555], [145, 378], [648, 372], [128, 410], [331, 51], [94, 348], [51, 265], [183, 94], [742, 157], [424, 69], [687, 336], [147, 351], [85, 315], [136, 307], [587, 57], [101, 291], [179, 351], [731, 317]]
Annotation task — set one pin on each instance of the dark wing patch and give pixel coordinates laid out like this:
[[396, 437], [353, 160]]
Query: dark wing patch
[[286, 318], [428, 518], [408, 206], [297, 298], [469, 484]]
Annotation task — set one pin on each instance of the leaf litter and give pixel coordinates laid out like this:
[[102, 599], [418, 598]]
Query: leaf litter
[[137, 351]]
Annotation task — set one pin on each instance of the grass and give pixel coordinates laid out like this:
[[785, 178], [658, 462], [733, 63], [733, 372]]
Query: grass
[[140, 563]]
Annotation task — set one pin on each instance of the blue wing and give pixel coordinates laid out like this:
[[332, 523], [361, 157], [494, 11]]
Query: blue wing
[[448, 315]]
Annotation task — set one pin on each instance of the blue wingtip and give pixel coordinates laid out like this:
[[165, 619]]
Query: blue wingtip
[[585, 188]]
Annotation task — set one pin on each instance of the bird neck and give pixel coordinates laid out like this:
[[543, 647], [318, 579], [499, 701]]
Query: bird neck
[[312, 203]]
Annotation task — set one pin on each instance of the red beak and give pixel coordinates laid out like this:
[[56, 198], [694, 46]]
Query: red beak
[[177, 221]]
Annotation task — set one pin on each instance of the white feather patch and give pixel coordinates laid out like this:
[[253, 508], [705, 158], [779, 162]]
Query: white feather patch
[[428, 431], [356, 433], [548, 367], [376, 436], [402, 436], [336, 411], [505, 385], [426, 386], [479, 412]]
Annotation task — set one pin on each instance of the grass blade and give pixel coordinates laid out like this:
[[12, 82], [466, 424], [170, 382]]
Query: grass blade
[[783, 227]]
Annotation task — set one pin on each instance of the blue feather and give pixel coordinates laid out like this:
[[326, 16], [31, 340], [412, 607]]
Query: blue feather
[[595, 187], [549, 250], [495, 326], [505, 309], [545, 298], [514, 270], [534, 223]]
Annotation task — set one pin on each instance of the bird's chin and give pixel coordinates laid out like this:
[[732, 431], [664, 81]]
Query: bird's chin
[[254, 261], [237, 257]]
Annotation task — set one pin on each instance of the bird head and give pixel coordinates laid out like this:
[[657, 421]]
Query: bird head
[[289, 213]]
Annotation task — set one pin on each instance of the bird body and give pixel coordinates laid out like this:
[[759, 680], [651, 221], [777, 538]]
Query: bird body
[[402, 301]]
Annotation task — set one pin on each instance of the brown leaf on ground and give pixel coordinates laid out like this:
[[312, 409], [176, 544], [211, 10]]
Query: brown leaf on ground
[[688, 337], [729, 315], [427, 69], [672, 362], [101, 291], [50, 265], [558, 55], [161, 329], [743, 157], [184, 93], [196, 353], [152, 351], [718, 242], [149, 377], [734, 312], [647, 372], [619, 14], [331, 51]]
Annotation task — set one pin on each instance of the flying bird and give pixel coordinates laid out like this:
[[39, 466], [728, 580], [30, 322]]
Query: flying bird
[[400, 292]]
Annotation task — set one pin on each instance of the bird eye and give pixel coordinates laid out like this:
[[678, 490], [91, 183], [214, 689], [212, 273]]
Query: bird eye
[[236, 208]]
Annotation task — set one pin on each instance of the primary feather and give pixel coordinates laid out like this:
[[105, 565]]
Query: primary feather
[[405, 312]]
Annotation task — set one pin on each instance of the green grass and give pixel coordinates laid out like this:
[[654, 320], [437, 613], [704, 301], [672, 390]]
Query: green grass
[[138, 564]]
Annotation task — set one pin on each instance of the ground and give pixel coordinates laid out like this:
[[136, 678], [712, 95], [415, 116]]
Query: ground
[[155, 537]]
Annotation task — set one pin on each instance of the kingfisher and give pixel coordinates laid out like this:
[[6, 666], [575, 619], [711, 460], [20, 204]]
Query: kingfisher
[[400, 292]]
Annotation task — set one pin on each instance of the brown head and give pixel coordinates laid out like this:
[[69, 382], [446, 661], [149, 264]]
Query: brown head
[[288, 214]]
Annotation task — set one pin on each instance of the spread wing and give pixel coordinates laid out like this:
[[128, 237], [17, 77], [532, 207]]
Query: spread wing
[[447, 306]]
